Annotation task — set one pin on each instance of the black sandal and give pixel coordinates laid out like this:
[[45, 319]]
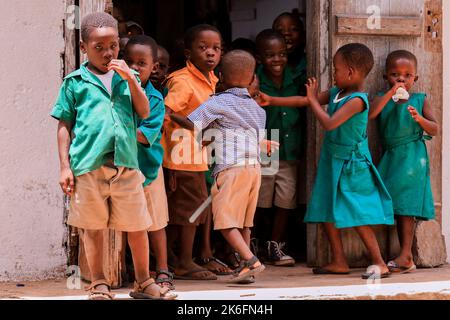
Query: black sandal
[[246, 269], [161, 281]]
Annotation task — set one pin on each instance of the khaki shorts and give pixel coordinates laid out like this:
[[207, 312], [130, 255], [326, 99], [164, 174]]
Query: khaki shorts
[[280, 189], [155, 193], [234, 197], [110, 197], [186, 192]]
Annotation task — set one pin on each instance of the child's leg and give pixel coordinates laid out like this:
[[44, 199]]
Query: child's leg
[[338, 263], [405, 230], [93, 246], [206, 254], [370, 241], [138, 242], [158, 243], [236, 239], [246, 235]]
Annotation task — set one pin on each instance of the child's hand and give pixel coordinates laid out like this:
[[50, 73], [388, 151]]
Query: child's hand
[[312, 88], [395, 87], [414, 114], [263, 99], [67, 181], [121, 67], [268, 146]]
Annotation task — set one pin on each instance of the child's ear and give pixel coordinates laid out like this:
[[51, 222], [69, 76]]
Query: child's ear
[[351, 72], [187, 54], [82, 46], [416, 78]]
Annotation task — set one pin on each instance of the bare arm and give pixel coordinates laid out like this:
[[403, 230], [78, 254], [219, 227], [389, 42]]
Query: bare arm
[[182, 121], [328, 122], [66, 180], [427, 121], [379, 103], [291, 102], [138, 97]]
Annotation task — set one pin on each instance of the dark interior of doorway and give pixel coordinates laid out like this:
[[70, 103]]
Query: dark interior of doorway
[[166, 22]]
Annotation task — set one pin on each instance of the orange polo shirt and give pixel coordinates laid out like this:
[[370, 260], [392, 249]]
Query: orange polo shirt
[[188, 89]]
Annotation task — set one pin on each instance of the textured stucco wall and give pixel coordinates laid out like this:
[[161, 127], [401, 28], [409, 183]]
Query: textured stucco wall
[[446, 129], [31, 222]]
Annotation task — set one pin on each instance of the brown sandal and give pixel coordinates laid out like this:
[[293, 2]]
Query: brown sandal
[[95, 294], [139, 291], [246, 269]]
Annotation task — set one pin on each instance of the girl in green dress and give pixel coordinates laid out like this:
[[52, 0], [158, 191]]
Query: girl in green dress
[[404, 167], [348, 191]]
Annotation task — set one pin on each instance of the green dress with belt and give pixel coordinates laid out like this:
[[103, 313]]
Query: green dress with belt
[[405, 167], [348, 189]]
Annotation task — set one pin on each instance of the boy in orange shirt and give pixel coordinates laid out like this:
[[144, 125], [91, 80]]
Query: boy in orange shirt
[[184, 160]]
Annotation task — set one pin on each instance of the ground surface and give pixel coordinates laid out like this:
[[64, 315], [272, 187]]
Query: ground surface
[[274, 283]]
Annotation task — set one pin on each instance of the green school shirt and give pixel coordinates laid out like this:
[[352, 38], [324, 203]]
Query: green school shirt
[[102, 124], [287, 120], [150, 156], [300, 76]]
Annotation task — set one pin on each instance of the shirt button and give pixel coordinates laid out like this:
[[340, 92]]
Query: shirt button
[[284, 113], [287, 136]]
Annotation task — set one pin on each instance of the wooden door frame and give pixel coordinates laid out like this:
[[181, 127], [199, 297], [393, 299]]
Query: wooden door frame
[[318, 53]]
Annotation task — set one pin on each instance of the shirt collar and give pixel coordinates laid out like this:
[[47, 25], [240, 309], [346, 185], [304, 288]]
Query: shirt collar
[[88, 76], [197, 73], [239, 92], [287, 77]]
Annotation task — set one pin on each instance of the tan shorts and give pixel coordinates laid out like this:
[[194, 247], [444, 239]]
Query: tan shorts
[[280, 189], [234, 197], [111, 198], [155, 193]]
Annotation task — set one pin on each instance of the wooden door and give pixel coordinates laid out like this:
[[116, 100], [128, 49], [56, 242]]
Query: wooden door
[[384, 26], [113, 242]]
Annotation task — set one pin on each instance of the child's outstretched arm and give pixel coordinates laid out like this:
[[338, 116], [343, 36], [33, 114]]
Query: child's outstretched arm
[[66, 180], [347, 111], [138, 97], [427, 121], [379, 103], [293, 102], [183, 122]]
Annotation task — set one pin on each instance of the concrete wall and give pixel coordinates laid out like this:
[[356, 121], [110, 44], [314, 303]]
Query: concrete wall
[[446, 130], [31, 221]]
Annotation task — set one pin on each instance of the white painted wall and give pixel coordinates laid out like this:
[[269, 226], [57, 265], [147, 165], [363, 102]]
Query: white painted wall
[[446, 130], [31, 222], [266, 12]]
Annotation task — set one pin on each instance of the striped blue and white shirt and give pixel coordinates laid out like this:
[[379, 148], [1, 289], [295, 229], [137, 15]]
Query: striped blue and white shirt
[[236, 122]]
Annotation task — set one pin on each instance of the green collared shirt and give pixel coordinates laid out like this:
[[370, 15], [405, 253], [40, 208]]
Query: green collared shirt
[[103, 125], [289, 121], [151, 156]]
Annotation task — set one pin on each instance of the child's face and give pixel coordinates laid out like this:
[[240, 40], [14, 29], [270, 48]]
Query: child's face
[[161, 69], [402, 70], [273, 56], [140, 58], [101, 47], [344, 75], [290, 30], [205, 51]]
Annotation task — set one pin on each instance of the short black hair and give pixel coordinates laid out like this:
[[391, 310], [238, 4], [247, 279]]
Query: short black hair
[[400, 54], [145, 41], [244, 44], [97, 20], [192, 33], [291, 15], [358, 56], [267, 34], [237, 63]]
